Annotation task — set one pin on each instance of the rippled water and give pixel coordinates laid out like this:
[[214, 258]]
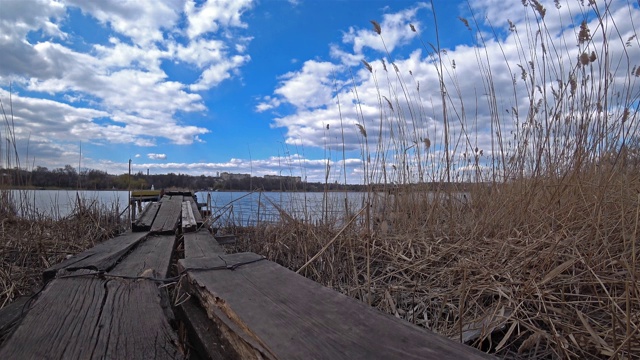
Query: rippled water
[[237, 207]]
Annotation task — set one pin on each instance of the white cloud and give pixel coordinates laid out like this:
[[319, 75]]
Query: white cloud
[[141, 20], [395, 136], [309, 87], [395, 31], [211, 15], [123, 81], [219, 72], [157, 156]]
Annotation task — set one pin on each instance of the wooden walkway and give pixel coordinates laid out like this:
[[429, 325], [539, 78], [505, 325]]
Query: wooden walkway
[[112, 302]]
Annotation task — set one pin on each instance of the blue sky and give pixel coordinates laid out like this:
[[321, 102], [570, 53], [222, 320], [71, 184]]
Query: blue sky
[[244, 86]]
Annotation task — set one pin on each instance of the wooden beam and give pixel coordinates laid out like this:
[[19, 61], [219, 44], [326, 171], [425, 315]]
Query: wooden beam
[[166, 220], [144, 221], [90, 317], [153, 254], [201, 244], [266, 309], [101, 257], [188, 219]]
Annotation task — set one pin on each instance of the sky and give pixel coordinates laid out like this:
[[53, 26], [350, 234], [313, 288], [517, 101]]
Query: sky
[[261, 87]]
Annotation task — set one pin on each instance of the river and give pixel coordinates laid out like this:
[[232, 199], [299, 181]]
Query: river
[[231, 207]]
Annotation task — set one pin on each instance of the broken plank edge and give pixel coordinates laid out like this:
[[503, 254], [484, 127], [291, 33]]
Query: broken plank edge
[[202, 335], [246, 344]]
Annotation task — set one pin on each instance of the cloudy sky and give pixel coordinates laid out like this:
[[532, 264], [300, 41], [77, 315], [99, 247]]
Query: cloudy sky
[[267, 86]]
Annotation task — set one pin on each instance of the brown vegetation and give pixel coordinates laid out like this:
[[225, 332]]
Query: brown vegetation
[[33, 242]]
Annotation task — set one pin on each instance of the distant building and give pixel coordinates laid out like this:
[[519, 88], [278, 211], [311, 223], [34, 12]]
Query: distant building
[[229, 176]]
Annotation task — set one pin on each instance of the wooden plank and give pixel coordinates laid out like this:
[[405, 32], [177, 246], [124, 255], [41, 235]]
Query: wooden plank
[[266, 309], [152, 254], [144, 221], [204, 336], [100, 257], [166, 220], [226, 239], [10, 316], [201, 244], [188, 219], [194, 208], [89, 317]]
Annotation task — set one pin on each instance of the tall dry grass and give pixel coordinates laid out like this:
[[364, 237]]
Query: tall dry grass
[[531, 248], [32, 240]]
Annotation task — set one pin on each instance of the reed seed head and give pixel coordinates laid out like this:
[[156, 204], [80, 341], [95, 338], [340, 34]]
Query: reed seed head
[[367, 65], [584, 58], [376, 27], [362, 130]]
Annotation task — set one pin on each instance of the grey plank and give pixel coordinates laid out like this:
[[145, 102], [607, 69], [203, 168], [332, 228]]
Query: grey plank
[[94, 318], [201, 244], [268, 309], [144, 221], [100, 257], [196, 212], [152, 254], [166, 220], [188, 219], [133, 324]]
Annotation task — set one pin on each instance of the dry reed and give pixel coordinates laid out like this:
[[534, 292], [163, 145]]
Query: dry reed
[[32, 242]]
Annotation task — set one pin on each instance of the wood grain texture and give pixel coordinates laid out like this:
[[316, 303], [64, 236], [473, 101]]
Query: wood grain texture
[[101, 257], [145, 220], [152, 254], [188, 219], [168, 216], [204, 335], [283, 315], [94, 318], [194, 208], [201, 244]]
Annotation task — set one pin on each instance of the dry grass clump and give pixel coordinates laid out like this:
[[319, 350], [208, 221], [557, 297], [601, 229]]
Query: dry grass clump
[[554, 278], [30, 244]]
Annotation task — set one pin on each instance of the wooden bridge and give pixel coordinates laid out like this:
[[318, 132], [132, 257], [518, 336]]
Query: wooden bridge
[[168, 290]]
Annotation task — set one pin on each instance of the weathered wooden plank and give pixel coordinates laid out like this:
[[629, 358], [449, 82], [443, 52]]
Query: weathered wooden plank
[[201, 244], [93, 318], [265, 308], [152, 254], [226, 239], [10, 316], [144, 221], [133, 324], [100, 257], [196, 212], [204, 336], [188, 219], [166, 220]]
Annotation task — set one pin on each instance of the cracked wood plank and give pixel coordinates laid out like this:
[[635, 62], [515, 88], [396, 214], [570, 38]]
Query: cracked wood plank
[[152, 254], [94, 318], [144, 221], [166, 220], [267, 310], [101, 257]]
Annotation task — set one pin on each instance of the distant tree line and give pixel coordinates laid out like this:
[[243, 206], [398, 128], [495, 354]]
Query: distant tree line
[[69, 177]]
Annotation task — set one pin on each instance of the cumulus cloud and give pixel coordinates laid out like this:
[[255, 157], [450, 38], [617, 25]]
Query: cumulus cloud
[[397, 105], [117, 90], [211, 15], [157, 156]]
